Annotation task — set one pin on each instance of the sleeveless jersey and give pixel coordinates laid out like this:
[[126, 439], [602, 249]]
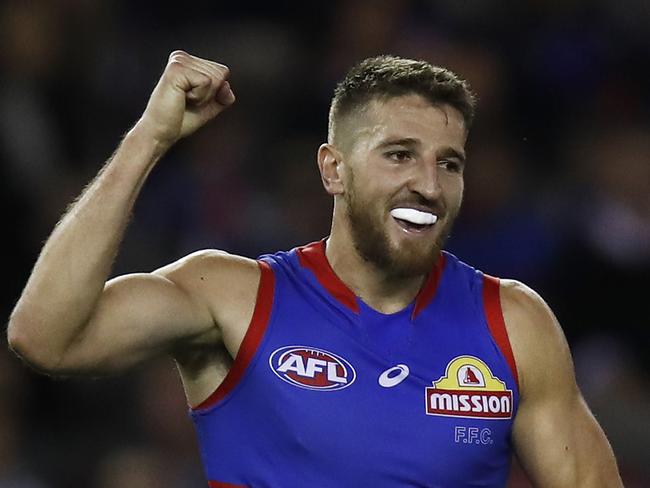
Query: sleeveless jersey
[[327, 392]]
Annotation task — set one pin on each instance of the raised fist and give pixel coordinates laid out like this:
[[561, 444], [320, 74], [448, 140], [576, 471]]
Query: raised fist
[[190, 92]]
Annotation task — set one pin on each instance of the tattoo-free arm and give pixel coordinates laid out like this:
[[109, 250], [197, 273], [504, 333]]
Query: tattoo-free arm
[[556, 438]]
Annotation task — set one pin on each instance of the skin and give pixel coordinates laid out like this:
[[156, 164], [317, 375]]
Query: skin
[[408, 154], [71, 320]]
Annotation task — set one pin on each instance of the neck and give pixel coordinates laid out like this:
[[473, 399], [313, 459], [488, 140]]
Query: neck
[[375, 286]]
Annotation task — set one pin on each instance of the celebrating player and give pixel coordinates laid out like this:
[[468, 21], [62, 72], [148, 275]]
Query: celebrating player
[[369, 358]]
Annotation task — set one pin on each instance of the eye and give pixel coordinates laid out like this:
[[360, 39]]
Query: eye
[[400, 155], [451, 165]]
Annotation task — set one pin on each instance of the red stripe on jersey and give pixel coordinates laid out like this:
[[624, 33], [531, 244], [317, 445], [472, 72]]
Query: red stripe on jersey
[[494, 316], [219, 484], [251, 341], [312, 256], [430, 287]]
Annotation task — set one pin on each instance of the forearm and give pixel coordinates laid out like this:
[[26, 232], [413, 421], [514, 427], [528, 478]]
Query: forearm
[[58, 311], [74, 264]]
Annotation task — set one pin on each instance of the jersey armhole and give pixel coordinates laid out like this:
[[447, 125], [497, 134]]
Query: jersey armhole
[[496, 323], [252, 338]]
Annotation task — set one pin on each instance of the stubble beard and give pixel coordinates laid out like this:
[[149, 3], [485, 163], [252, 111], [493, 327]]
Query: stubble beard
[[371, 241]]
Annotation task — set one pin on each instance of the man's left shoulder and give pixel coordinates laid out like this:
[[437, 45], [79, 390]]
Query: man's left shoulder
[[522, 301], [537, 339]]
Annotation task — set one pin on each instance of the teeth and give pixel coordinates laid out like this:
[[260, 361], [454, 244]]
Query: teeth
[[414, 216]]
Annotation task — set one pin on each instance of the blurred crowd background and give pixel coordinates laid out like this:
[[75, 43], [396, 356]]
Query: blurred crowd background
[[557, 186]]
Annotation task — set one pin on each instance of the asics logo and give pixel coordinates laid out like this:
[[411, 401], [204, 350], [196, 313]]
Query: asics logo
[[394, 376]]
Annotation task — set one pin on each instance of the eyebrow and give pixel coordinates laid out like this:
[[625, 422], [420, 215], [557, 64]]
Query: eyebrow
[[404, 141], [450, 152], [445, 152]]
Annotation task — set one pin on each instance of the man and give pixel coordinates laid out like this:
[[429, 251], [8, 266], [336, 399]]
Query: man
[[371, 358]]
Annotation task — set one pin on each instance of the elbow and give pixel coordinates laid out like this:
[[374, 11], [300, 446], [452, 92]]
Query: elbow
[[23, 340], [16, 337]]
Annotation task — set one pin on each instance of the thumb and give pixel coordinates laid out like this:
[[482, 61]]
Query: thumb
[[199, 93]]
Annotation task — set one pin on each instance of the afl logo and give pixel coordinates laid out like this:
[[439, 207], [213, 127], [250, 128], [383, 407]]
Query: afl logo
[[311, 368]]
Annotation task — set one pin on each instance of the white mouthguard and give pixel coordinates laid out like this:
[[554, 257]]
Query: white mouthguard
[[414, 216]]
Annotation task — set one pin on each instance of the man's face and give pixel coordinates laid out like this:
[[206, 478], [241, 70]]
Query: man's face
[[403, 171]]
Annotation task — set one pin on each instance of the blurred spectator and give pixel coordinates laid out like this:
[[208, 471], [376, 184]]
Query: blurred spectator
[[16, 469], [165, 425], [503, 229], [617, 391], [609, 256], [132, 466]]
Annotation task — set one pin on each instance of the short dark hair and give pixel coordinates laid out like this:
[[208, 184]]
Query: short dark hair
[[385, 77]]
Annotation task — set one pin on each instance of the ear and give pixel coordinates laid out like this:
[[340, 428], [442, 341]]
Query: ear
[[330, 164]]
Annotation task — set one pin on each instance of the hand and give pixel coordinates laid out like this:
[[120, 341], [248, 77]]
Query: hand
[[190, 93]]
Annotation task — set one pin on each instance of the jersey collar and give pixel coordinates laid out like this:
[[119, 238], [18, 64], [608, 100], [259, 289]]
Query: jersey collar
[[312, 256]]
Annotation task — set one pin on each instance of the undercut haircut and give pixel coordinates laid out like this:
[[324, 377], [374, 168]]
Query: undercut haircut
[[384, 77]]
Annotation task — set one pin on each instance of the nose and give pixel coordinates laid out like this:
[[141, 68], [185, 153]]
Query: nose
[[424, 180]]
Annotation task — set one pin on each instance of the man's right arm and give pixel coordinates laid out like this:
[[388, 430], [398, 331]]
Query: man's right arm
[[57, 324]]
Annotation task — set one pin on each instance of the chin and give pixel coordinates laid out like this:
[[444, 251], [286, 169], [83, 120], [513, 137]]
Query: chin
[[414, 256], [406, 261], [388, 248]]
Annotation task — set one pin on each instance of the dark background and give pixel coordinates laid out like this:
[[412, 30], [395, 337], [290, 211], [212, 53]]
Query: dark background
[[557, 185]]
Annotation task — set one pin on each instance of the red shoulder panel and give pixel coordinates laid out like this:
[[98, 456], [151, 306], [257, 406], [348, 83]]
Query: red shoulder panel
[[219, 484], [312, 256], [494, 316]]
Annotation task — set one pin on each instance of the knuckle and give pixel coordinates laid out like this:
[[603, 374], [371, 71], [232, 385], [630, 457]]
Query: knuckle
[[222, 68], [174, 65], [178, 54], [217, 80], [204, 77]]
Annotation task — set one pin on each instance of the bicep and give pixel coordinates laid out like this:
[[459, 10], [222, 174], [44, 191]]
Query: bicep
[[556, 438], [560, 444], [138, 316]]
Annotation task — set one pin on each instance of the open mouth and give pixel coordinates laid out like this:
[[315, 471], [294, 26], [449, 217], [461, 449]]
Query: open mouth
[[413, 220], [413, 227]]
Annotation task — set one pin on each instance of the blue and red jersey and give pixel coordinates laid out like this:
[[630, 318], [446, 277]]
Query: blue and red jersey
[[327, 392]]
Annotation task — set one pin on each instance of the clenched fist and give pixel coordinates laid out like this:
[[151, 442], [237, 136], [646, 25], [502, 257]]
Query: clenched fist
[[190, 92]]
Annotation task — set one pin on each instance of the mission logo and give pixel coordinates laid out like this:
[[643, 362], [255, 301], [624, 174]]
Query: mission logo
[[469, 389], [312, 368]]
